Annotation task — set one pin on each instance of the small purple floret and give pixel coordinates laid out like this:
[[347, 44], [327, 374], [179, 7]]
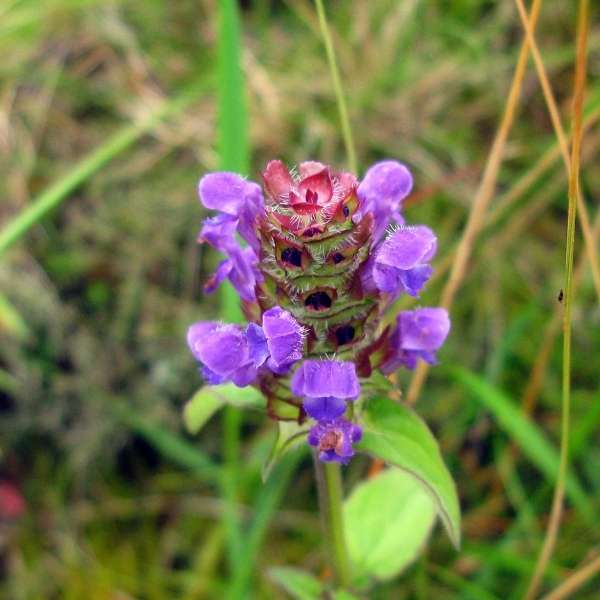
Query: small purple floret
[[324, 409], [333, 439], [325, 386], [284, 335], [223, 351], [241, 268], [381, 192], [231, 353], [418, 335], [240, 203], [325, 378], [401, 261]]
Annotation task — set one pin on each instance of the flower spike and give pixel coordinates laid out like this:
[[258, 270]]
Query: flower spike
[[315, 271]]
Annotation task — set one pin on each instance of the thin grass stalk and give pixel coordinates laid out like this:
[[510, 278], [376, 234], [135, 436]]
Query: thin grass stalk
[[559, 491], [337, 86], [482, 198], [575, 581], [550, 100]]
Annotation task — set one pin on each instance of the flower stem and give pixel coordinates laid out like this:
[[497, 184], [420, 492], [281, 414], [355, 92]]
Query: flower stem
[[329, 482]]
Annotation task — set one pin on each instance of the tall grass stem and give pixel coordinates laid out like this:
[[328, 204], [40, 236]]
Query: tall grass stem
[[559, 491], [338, 89], [563, 143], [234, 156]]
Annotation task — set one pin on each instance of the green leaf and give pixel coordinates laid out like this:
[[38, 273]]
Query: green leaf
[[388, 519], [211, 398], [530, 438], [289, 435], [299, 584], [397, 435]]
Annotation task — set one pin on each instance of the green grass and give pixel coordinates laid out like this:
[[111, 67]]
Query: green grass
[[109, 114]]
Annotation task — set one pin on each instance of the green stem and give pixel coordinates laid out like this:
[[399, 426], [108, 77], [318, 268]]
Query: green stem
[[229, 485], [329, 482], [337, 86]]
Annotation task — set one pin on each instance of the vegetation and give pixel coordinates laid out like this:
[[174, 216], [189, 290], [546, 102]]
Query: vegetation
[[109, 116]]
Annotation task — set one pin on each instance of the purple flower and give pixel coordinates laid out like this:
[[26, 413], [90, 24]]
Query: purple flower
[[400, 263], [230, 353], [240, 203], [223, 351], [418, 334], [381, 191], [325, 386], [284, 337], [241, 268], [334, 439]]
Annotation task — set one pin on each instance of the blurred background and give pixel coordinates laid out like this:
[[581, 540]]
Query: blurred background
[[103, 495]]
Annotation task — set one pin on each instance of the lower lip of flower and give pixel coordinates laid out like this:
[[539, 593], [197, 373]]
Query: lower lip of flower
[[329, 441]]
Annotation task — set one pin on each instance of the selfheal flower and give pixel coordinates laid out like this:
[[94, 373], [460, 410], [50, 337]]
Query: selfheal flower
[[381, 191], [306, 203], [325, 386], [230, 353], [418, 334], [400, 262], [240, 203], [333, 439], [319, 274]]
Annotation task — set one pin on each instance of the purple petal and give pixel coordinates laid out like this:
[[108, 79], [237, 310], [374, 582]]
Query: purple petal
[[257, 344], [224, 353], [321, 378], [197, 334], [240, 202], [279, 369], [408, 247], [334, 439], [244, 375], [285, 336], [324, 408], [400, 263], [219, 232], [215, 280], [212, 378], [381, 191], [423, 328], [249, 212], [418, 334], [244, 272], [225, 192], [222, 349]]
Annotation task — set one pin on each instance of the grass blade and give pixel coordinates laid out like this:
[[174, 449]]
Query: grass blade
[[574, 193], [234, 156], [532, 441], [58, 192]]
